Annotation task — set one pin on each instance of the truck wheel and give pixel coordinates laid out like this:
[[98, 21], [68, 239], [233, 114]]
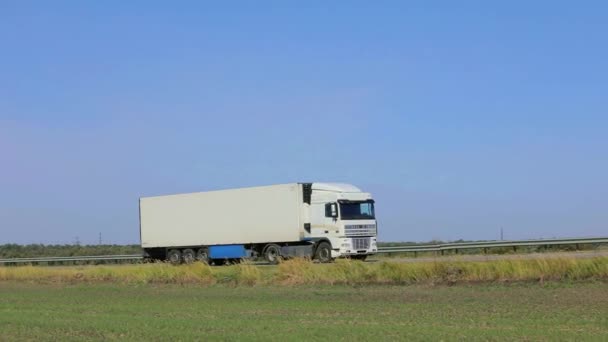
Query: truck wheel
[[188, 256], [203, 255], [272, 254], [174, 256], [323, 252]]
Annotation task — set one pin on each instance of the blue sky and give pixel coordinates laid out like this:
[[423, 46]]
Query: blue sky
[[460, 117]]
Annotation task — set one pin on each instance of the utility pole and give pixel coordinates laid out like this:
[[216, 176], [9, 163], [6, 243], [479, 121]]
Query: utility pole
[[100, 238], [77, 241], [501, 234]]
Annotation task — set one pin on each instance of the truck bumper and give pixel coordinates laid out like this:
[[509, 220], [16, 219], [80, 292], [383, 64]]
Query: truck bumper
[[347, 253], [355, 246]]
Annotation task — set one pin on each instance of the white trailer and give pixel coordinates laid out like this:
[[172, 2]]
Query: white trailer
[[321, 220]]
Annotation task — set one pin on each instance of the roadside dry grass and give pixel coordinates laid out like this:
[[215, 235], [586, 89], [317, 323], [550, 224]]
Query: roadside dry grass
[[304, 272]]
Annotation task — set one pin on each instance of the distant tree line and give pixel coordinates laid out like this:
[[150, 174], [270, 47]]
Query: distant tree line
[[40, 250]]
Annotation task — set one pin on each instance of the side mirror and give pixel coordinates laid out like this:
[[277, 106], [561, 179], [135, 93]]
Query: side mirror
[[331, 210], [334, 210]]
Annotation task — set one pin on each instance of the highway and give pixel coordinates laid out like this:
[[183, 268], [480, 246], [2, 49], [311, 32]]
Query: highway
[[439, 249]]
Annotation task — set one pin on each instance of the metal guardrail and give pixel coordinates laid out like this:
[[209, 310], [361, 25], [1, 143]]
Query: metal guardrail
[[71, 259], [392, 249], [491, 244]]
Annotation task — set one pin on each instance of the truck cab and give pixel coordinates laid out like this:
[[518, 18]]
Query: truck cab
[[344, 216]]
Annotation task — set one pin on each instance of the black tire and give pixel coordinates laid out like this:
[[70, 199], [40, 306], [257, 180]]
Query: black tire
[[359, 257], [323, 252], [188, 256], [272, 254], [174, 256], [203, 255]]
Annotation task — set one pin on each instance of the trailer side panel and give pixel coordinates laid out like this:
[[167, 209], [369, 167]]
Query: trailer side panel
[[238, 216]]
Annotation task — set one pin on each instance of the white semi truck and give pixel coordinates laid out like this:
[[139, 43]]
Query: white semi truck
[[316, 220]]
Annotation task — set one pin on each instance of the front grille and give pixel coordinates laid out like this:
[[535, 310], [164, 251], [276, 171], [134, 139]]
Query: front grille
[[360, 230], [360, 243]]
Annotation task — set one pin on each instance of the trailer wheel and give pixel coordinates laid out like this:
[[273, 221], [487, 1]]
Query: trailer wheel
[[203, 255], [272, 254], [174, 256], [188, 256], [323, 252]]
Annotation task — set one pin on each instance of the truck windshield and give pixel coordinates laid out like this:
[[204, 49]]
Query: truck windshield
[[357, 210]]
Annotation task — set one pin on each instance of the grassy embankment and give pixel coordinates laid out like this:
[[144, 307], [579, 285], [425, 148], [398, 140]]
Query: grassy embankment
[[303, 272]]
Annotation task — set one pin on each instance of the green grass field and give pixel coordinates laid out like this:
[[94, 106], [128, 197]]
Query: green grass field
[[554, 311], [523, 299]]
